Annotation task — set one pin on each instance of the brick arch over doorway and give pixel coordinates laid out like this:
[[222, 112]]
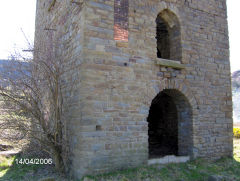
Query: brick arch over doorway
[[170, 125], [183, 91]]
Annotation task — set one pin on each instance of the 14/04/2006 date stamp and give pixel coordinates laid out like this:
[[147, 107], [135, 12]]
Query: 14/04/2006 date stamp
[[34, 161]]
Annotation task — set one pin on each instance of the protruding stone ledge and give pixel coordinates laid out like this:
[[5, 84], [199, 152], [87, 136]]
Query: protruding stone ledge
[[123, 44], [169, 159], [169, 63]]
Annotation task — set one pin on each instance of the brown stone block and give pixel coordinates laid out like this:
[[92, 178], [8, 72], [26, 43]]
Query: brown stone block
[[228, 114], [122, 44], [108, 147], [98, 67]]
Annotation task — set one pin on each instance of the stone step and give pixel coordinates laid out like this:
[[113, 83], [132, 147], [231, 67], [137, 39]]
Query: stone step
[[169, 159]]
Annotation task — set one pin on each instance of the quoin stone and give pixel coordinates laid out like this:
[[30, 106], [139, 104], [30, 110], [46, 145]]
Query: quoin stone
[[151, 79]]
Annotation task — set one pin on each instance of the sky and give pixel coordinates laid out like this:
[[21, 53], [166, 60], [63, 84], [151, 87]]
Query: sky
[[234, 33], [17, 17]]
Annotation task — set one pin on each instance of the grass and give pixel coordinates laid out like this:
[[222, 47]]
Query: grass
[[197, 170], [10, 170], [5, 164], [236, 149], [174, 172]]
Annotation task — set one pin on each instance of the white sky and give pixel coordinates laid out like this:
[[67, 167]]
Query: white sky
[[20, 14], [16, 16], [234, 33]]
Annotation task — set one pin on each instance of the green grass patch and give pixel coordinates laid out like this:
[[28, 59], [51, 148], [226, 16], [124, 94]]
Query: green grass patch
[[236, 148], [197, 170], [10, 170]]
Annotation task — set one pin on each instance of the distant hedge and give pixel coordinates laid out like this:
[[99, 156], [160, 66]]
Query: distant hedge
[[236, 132]]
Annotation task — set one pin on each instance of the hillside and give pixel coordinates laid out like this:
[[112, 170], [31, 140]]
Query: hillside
[[236, 95]]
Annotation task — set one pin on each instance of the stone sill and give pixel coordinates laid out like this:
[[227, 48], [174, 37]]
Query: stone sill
[[169, 63], [122, 44]]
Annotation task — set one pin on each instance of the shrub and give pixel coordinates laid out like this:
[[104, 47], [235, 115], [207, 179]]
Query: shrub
[[236, 132]]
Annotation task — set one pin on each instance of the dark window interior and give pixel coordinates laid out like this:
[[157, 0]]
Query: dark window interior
[[163, 44]]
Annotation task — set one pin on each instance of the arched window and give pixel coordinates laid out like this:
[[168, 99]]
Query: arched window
[[168, 36]]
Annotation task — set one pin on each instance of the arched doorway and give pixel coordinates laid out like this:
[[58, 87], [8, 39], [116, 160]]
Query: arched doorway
[[170, 125]]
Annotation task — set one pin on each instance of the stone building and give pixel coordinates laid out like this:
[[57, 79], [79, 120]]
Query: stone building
[[151, 78]]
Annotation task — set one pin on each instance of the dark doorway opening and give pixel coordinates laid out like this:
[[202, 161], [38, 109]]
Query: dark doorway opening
[[163, 127], [170, 125]]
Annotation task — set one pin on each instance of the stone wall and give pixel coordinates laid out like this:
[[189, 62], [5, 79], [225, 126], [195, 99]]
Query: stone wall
[[116, 81]]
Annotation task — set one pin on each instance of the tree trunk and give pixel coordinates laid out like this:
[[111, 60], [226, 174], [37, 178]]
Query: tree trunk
[[58, 160]]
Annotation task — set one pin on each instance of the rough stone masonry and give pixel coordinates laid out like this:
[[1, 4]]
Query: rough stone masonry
[[151, 79]]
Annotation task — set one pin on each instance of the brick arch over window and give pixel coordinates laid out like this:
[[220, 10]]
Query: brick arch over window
[[168, 36], [161, 6]]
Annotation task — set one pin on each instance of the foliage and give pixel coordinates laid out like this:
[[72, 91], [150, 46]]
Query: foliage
[[236, 132], [32, 94]]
